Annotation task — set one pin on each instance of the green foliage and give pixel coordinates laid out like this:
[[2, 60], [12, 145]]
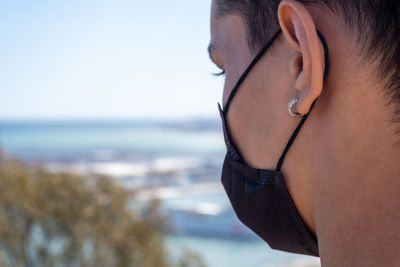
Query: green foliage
[[62, 219]]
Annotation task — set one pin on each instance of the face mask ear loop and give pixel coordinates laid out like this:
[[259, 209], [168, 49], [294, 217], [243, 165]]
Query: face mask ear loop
[[295, 133], [249, 68]]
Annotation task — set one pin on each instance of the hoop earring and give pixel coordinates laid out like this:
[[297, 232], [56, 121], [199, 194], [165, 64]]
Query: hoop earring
[[291, 105]]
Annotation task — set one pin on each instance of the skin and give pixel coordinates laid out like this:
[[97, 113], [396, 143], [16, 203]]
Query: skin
[[343, 169]]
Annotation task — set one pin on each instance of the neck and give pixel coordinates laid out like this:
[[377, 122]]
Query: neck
[[354, 168]]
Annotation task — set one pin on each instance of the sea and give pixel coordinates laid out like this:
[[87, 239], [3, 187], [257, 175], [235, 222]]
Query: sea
[[177, 161]]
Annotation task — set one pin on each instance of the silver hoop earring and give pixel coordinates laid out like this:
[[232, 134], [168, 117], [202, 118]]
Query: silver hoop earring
[[291, 105]]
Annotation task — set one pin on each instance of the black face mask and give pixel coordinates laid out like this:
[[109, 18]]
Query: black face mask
[[260, 197]]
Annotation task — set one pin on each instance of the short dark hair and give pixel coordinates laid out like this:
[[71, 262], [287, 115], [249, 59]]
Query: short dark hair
[[375, 23]]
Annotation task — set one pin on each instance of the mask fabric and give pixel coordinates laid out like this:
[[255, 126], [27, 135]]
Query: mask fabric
[[260, 197]]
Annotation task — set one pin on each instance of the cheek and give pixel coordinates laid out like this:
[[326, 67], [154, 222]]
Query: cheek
[[257, 118], [233, 72]]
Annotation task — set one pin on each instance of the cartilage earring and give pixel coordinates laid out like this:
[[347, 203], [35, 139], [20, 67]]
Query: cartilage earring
[[292, 106]]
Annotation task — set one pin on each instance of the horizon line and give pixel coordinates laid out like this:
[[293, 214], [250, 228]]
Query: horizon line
[[108, 119]]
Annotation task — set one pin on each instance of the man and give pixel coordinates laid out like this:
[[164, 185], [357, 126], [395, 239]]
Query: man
[[334, 190]]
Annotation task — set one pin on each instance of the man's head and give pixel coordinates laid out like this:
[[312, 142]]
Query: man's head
[[348, 142], [373, 26]]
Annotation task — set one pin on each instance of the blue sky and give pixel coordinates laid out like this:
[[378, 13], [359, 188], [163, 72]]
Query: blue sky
[[103, 59]]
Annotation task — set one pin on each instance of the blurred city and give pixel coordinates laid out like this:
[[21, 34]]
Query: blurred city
[[122, 92], [176, 162]]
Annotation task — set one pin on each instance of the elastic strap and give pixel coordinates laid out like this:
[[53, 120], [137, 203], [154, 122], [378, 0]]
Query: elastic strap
[[251, 66], [296, 132], [291, 140]]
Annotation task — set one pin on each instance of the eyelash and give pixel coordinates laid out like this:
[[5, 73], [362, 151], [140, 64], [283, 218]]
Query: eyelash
[[222, 73]]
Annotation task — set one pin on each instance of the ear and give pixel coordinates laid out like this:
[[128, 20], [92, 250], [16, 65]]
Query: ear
[[307, 62]]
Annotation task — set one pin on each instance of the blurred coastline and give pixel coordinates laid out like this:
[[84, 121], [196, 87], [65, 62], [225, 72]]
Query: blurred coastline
[[178, 162]]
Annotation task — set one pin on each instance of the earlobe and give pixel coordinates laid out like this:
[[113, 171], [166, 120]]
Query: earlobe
[[299, 31]]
